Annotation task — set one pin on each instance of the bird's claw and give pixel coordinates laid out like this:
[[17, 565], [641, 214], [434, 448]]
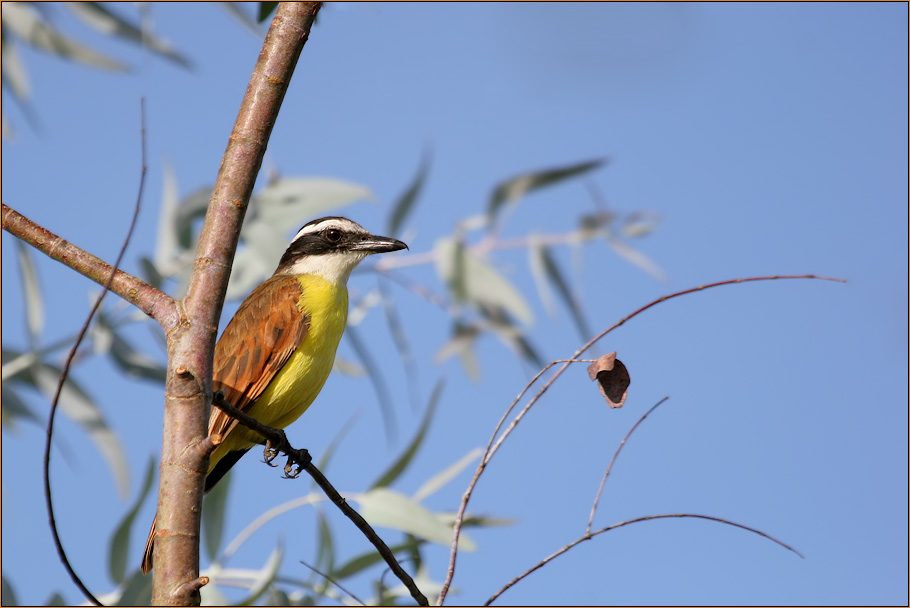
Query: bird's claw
[[270, 452], [298, 460]]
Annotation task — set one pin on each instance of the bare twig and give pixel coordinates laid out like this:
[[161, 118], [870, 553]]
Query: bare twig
[[590, 535], [334, 582], [619, 448], [66, 368], [494, 443], [300, 459]]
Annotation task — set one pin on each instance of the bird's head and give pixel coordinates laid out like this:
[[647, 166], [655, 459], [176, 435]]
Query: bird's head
[[331, 247]]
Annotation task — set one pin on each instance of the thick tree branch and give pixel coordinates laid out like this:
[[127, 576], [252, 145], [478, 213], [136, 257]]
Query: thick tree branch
[[153, 302], [184, 459]]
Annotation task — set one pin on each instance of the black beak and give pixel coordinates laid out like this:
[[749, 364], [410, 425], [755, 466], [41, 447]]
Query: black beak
[[371, 243]]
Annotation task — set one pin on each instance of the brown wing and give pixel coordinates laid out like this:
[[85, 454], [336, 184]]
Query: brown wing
[[258, 341]]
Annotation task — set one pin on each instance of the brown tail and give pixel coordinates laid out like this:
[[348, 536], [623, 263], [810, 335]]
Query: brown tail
[[149, 547]]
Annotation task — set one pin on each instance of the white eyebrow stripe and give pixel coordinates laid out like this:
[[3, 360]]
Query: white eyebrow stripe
[[343, 224]]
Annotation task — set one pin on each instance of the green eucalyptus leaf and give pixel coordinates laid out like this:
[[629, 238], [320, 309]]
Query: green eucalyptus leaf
[[386, 508], [325, 557], [554, 274], [13, 409], [263, 578], [15, 76], [405, 203], [134, 363], [439, 480], [370, 558], [402, 462], [31, 292], [138, 591], [119, 553], [472, 279], [265, 10], [168, 243], [376, 379], [25, 22], [6, 590], [234, 10], [289, 202], [150, 274], [215, 506], [193, 206], [637, 258], [516, 187], [79, 407], [98, 17]]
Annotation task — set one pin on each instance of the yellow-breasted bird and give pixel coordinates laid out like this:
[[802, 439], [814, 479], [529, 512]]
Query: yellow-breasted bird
[[277, 351]]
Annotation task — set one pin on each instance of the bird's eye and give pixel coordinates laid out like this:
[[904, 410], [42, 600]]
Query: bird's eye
[[333, 235]]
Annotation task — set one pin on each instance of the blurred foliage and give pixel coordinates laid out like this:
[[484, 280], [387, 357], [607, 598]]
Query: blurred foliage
[[474, 289]]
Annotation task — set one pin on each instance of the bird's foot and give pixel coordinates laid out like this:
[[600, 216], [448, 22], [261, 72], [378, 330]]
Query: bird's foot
[[270, 452], [298, 460]]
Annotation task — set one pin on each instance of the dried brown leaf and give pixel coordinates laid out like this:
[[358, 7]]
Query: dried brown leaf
[[612, 378]]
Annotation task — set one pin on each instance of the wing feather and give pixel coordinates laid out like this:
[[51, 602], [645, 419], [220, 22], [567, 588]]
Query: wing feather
[[266, 330]]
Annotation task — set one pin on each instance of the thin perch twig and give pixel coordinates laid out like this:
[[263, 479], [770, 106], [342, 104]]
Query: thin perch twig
[[277, 440]]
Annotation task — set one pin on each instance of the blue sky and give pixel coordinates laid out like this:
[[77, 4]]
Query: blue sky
[[769, 138]]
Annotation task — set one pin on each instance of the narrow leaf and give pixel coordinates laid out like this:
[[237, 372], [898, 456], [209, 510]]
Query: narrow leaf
[[193, 206], [266, 9], [9, 596], [437, 481], [13, 409], [98, 17], [167, 243], [562, 288], [234, 10], [134, 363], [215, 513], [25, 22], [475, 281], [264, 577], [31, 292], [370, 558], [389, 509], [325, 557], [78, 407], [514, 188], [402, 462], [405, 203], [14, 74], [150, 274], [637, 258], [119, 552], [289, 202], [138, 591], [377, 380]]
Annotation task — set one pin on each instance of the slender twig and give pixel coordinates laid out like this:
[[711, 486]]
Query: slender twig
[[486, 245], [590, 535], [300, 460], [334, 582], [66, 368], [495, 443], [619, 448]]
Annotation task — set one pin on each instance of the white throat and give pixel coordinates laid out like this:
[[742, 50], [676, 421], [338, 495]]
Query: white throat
[[333, 267]]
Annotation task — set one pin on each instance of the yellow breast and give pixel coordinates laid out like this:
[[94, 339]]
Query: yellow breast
[[296, 385]]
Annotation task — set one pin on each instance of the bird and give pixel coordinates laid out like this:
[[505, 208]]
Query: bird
[[276, 353]]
